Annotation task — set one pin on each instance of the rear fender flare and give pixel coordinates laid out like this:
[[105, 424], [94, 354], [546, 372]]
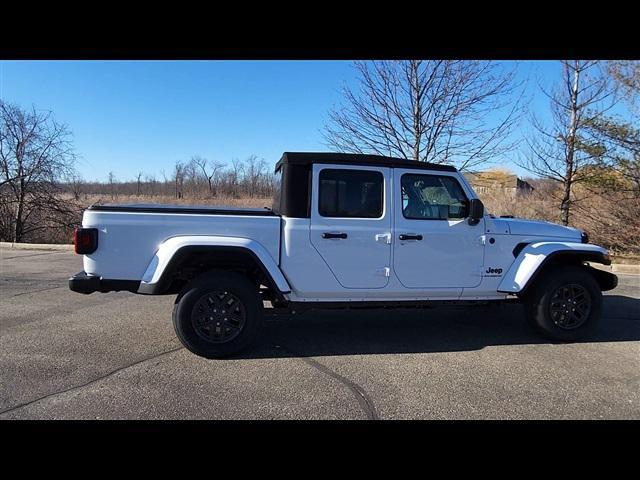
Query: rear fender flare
[[154, 278]]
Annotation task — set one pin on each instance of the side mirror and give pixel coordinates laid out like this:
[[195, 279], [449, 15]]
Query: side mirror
[[476, 211]]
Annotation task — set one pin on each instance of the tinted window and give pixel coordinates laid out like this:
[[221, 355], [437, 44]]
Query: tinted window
[[432, 197], [350, 193]]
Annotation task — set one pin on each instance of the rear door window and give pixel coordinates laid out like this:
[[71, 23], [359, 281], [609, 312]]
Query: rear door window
[[351, 193]]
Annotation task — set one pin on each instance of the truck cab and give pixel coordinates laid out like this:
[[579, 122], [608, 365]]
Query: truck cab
[[378, 228], [345, 230]]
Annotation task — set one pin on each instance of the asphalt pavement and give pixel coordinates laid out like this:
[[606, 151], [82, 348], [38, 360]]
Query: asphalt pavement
[[64, 355]]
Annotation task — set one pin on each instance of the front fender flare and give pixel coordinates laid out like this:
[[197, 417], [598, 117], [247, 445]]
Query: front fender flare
[[153, 275], [532, 258]]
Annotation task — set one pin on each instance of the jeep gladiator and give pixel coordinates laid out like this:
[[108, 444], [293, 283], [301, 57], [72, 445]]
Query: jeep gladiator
[[345, 231]]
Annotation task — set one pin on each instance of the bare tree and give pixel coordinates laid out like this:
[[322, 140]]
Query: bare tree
[[209, 170], [178, 177], [112, 184], [626, 75], [564, 150], [76, 183], [191, 176], [243, 178], [35, 153], [165, 182], [234, 175], [254, 172], [434, 110], [138, 183], [624, 136], [151, 181]]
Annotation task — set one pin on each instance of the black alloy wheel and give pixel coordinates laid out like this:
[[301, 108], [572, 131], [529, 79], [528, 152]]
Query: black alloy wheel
[[570, 306], [218, 317]]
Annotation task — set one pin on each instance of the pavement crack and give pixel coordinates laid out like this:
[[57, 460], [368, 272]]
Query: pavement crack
[[360, 393], [90, 382], [30, 255], [36, 291]]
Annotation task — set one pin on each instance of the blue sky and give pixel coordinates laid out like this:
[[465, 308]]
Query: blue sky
[[130, 116]]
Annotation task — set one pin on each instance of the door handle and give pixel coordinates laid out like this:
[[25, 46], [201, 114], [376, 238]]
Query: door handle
[[334, 235], [410, 236]]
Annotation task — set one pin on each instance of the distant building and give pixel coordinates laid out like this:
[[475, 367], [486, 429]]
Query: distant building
[[496, 180]]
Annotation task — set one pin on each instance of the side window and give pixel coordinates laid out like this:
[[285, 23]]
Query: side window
[[350, 193], [432, 197]]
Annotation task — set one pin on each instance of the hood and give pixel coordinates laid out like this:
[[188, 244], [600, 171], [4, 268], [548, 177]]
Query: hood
[[518, 226]]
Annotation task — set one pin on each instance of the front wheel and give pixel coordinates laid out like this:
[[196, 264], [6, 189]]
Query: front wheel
[[565, 303], [218, 314]]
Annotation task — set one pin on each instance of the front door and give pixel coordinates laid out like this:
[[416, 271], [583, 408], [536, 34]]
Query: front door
[[434, 245], [351, 223]]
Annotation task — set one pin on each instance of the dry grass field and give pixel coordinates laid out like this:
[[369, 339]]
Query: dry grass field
[[608, 219], [223, 200], [600, 216]]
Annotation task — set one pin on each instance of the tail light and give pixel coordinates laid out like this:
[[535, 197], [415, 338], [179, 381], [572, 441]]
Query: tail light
[[85, 240]]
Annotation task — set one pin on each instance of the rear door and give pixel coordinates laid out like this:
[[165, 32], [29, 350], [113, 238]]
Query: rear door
[[434, 245], [351, 223]]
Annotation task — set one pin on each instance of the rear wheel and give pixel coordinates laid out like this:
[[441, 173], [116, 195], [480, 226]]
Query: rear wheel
[[218, 314], [565, 303]]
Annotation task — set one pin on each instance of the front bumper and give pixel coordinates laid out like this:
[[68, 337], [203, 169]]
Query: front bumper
[[86, 283]]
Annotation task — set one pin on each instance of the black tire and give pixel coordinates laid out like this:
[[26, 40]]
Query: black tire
[[564, 304], [226, 333]]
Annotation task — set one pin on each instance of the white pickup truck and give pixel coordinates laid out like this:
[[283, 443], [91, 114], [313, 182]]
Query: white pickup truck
[[345, 231]]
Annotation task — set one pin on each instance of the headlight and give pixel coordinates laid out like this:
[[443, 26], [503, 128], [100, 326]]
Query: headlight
[[584, 237]]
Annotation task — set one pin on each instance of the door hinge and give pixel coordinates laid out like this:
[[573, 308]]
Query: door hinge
[[383, 237], [386, 271]]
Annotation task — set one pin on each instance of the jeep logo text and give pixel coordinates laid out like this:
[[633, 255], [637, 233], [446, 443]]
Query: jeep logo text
[[494, 271]]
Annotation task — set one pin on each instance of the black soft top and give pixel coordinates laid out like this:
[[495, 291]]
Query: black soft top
[[309, 158]]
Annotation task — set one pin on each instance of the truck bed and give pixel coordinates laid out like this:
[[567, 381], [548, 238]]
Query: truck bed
[[130, 234]]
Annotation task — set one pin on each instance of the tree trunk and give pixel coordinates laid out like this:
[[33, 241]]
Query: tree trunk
[[565, 206], [417, 110], [19, 226]]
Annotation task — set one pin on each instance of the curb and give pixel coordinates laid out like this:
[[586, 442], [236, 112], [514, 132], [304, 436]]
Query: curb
[[626, 269], [622, 268], [36, 246]]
